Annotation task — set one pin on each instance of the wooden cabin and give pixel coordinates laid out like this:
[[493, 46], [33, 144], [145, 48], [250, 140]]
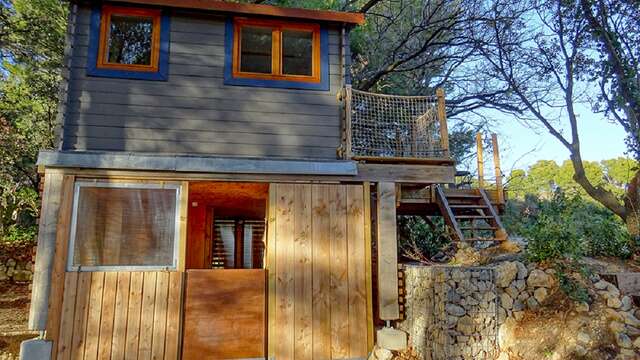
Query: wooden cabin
[[220, 191]]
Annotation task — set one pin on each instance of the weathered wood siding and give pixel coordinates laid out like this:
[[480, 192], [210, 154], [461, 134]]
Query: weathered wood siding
[[317, 264], [120, 315], [194, 112]]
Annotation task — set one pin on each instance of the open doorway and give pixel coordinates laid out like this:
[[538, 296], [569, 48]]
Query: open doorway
[[225, 288], [226, 225]]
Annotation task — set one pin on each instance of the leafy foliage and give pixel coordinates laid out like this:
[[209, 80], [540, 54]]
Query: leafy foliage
[[421, 238], [566, 227]]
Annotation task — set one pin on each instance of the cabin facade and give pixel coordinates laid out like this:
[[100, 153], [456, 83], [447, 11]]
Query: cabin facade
[[221, 192]]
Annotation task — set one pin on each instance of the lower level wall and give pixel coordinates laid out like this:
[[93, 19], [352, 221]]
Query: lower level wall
[[451, 312]]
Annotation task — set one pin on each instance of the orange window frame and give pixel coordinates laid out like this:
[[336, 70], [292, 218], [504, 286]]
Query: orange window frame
[[277, 28], [105, 27]]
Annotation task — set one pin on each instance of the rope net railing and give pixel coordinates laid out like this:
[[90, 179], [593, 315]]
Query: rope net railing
[[394, 126]]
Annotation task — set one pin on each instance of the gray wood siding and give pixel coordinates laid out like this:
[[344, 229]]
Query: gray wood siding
[[194, 112]]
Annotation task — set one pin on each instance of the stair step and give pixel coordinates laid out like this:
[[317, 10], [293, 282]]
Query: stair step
[[461, 196], [473, 206], [473, 217]]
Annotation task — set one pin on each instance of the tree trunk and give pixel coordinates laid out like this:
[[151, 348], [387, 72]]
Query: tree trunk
[[632, 204]]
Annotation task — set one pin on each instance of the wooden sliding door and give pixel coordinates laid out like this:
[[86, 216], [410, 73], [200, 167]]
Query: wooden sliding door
[[318, 269]]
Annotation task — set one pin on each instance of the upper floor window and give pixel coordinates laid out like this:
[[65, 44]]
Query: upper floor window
[[129, 42], [276, 54]]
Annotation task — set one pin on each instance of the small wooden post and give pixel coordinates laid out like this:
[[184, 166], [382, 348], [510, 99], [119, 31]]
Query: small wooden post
[[442, 117], [496, 163], [480, 161], [388, 306], [347, 122]]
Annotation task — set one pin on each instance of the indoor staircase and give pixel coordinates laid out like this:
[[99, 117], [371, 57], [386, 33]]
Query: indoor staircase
[[470, 214]]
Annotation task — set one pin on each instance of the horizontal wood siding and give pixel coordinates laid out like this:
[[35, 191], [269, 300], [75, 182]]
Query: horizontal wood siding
[[194, 112], [120, 315]]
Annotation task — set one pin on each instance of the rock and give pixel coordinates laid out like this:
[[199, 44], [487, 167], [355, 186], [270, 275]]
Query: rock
[[506, 301], [506, 273], [22, 276], [627, 354], [520, 284], [518, 315], [582, 307], [382, 354], [3, 275], [540, 294], [623, 340], [455, 310], [616, 327], [636, 343], [579, 350], [583, 338], [512, 291], [613, 302], [538, 278], [466, 325], [532, 304], [633, 331], [506, 334], [522, 270], [627, 303], [503, 356], [518, 305], [630, 319], [11, 263], [613, 315], [601, 285]]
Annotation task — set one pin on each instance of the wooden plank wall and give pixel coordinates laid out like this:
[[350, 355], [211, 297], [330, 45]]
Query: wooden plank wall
[[194, 112], [317, 261], [120, 315]]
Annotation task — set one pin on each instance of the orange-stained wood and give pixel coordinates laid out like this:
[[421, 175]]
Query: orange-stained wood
[[258, 9], [224, 314], [105, 25]]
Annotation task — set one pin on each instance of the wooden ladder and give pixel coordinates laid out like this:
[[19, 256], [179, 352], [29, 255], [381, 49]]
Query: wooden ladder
[[470, 214]]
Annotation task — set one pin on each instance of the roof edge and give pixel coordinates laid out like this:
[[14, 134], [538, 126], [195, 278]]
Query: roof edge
[[257, 9]]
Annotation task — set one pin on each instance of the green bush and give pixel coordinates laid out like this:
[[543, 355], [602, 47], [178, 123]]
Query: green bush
[[420, 239], [566, 227], [20, 235]]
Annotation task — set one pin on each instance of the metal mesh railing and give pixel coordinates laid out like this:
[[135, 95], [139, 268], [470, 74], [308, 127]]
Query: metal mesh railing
[[389, 126]]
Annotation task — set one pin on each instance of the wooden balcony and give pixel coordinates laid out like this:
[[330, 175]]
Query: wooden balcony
[[395, 129]]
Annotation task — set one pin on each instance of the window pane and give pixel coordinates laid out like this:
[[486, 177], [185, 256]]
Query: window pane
[[224, 245], [297, 52], [121, 226], [255, 50], [130, 40], [253, 244]]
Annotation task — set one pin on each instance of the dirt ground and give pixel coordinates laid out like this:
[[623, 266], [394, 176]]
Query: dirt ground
[[14, 314]]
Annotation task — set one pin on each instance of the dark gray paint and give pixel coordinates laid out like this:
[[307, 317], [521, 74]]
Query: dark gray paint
[[194, 112]]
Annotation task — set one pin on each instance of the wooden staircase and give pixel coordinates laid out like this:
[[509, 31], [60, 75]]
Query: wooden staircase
[[470, 214]]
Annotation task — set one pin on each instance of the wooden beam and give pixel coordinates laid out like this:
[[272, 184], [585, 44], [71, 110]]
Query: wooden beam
[[389, 308], [51, 198], [418, 174], [368, 271], [184, 208], [480, 161], [442, 118], [498, 171], [258, 9]]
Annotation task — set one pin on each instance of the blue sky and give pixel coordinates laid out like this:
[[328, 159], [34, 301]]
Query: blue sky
[[521, 146]]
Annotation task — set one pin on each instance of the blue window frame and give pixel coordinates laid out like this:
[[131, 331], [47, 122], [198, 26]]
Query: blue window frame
[[232, 75], [155, 65]]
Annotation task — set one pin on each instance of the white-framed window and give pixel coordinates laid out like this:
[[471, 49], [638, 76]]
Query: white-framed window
[[124, 226]]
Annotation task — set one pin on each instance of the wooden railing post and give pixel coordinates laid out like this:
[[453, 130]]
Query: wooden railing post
[[496, 163], [480, 161], [442, 117], [347, 122]]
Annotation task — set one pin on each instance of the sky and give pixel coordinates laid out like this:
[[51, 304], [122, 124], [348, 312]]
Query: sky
[[521, 146]]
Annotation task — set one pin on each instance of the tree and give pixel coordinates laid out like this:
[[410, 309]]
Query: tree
[[543, 57], [31, 51]]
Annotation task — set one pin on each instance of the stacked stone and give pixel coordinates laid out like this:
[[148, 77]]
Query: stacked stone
[[17, 271], [451, 312], [622, 316], [521, 288]]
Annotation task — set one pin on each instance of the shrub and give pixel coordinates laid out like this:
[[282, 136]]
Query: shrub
[[421, 239]]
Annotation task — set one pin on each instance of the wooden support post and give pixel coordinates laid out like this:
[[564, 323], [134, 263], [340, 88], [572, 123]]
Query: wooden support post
[[389, 308], [368, 271], [442, 118], [347, 122], [480, 161], [51, 198], [496, 163], [184, 207]]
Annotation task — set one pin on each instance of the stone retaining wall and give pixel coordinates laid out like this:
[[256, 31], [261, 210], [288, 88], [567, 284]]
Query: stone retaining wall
[[16, 263], [451, 312]]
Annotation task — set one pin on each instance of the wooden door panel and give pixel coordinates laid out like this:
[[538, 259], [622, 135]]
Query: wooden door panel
[[224, 314]]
